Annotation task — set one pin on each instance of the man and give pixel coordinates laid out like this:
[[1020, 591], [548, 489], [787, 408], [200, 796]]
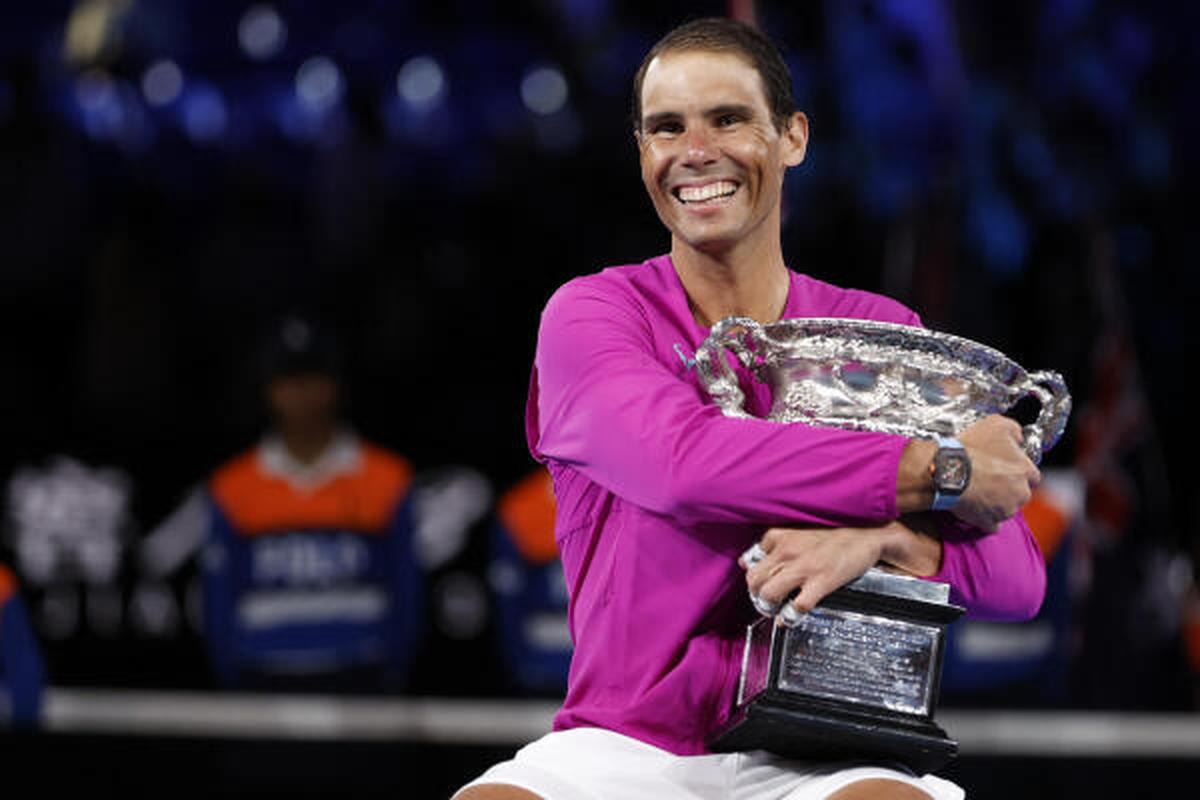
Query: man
[[659, 494], [310, 577]]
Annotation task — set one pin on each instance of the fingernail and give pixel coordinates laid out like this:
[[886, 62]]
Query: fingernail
[[790, 616], [764, 607]]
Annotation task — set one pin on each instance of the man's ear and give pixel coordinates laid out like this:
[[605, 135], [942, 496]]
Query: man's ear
[[795, 137]]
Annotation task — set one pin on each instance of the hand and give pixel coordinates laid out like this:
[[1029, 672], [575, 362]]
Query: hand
[[1002, 476], [811, 562]]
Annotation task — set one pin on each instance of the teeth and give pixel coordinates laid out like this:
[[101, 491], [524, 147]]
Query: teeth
[[698, 194]]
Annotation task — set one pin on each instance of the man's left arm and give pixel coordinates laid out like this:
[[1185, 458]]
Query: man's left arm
[[997, 575]]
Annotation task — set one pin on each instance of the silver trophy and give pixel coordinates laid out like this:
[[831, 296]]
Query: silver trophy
[[858, 676]]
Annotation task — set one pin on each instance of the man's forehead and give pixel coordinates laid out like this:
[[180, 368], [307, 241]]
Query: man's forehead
[[700, 77]]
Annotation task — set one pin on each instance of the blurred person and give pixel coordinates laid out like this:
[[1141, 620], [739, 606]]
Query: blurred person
[[309, 575], [527, 581], [22, 673], [659, 494]]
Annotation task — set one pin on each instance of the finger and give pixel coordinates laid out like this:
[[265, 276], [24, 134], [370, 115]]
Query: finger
[[1013, 429], [764, 607], [766, 573], [771, 538], [812, 593], [775, 582], [754, 554]]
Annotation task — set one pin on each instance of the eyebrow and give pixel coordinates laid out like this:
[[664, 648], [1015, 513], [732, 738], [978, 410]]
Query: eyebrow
[[656, 119], [716, 111], [730, 108]]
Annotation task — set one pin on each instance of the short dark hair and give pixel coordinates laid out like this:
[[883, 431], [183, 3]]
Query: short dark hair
[[723, 35]]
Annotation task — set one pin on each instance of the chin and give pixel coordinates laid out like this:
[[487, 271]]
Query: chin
[[710, 244]]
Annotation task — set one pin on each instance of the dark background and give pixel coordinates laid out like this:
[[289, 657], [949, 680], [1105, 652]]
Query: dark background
[[1019, 173]]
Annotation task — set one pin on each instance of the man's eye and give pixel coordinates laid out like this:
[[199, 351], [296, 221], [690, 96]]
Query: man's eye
[[725, 120], [667, 128]]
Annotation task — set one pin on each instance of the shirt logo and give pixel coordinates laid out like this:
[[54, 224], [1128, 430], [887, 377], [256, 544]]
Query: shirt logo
[[688, 363]]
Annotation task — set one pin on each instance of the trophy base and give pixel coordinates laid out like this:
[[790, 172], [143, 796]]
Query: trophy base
[[811, 729]]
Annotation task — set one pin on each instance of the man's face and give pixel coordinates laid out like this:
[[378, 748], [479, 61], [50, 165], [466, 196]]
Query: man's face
[[712, 159], [303, 400]]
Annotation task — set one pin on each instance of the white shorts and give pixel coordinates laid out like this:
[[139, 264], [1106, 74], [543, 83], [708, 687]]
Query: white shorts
[[597, 764]]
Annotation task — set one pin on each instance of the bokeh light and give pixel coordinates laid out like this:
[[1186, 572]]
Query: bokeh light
[[319, 84], [162, 82], [544, 90], [262, 33], [421, 82]]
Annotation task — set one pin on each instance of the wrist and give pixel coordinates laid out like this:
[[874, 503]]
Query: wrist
[[910, 549], [914, 484]]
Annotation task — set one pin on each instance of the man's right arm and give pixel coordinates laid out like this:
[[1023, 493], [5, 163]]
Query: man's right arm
[[608, 406]]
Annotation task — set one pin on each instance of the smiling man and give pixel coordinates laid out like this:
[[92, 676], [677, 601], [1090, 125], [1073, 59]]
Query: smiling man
[[658, 493]]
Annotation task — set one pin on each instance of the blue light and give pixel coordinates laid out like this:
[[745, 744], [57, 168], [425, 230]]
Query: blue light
[[205, 116], [998, 232]]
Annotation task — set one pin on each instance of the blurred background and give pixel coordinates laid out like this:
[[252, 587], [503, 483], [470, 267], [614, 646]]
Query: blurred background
[[204, 205]]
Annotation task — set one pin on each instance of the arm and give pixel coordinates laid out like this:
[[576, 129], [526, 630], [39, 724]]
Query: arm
[[606, 405], [999, 575], [989, 557]]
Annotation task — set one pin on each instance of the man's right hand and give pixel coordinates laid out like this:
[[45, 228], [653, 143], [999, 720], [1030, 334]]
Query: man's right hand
[[1002, 476]]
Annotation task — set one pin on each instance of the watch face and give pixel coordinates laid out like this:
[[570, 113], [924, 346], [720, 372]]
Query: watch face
[[953, 471]]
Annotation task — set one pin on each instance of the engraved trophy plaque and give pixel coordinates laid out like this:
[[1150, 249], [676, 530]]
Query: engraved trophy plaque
[[859, 675]]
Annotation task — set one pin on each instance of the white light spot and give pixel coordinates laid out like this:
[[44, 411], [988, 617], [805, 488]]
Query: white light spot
[[421, 82], [544, 90], [162, 82], [318, 84], [261, 32]]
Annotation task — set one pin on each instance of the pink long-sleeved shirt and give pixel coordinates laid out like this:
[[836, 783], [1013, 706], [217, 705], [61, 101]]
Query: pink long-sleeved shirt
[[658, 494]]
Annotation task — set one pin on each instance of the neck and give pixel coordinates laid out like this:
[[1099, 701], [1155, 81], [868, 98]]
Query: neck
[[306, 444], [744, 281]]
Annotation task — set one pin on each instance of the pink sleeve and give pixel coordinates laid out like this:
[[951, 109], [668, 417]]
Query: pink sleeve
[[997, 576], [602, 402]]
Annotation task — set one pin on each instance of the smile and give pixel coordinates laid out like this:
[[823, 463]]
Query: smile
[[709, 192]]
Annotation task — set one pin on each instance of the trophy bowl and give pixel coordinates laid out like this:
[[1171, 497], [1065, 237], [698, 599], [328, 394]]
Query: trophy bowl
[[878, 376], [858, 676]]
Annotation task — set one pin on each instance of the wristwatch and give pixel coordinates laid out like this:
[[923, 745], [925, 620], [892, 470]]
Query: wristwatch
[[951, 470]]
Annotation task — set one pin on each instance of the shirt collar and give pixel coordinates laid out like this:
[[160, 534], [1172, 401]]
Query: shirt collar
[[341, 457]]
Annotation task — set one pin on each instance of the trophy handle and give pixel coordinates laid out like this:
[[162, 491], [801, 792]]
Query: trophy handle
[[718, 379], [1045, 431]]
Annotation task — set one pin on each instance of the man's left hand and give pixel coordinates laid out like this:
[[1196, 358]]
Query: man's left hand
[[812, 562]]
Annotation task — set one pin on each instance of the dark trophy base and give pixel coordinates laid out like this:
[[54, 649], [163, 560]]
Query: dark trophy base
[[776, 722], [856, 679]]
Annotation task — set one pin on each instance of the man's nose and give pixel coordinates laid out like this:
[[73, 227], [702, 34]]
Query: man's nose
[[699, 146]]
